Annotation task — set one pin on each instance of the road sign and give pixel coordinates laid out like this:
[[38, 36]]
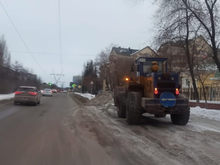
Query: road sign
[[91, 83], [167, 99]]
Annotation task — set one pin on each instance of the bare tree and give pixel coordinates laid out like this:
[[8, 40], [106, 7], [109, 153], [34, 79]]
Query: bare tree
[[13, 75], [202, 73], [103, 64], [177, 24], [207, 14]]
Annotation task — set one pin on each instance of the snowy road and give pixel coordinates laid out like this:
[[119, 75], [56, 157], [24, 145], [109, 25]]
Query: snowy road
[[60, 132], [156, 141]]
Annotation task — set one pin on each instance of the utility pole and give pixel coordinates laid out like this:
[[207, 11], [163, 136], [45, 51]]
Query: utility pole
[[55, 78], [61, 82]]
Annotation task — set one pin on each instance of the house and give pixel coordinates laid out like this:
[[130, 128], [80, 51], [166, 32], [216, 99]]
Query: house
[[200, 52], [145, 52], [175, 51], [123, 51]]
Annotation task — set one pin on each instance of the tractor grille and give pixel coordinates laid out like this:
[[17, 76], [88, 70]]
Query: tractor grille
[[165, 86]]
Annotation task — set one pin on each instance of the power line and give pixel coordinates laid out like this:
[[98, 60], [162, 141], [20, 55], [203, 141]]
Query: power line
[[61, 62], [21, 37]]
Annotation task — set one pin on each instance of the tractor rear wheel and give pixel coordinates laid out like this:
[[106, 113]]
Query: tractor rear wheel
[[120, 101], [133, 108], [180, 119], [121, 109]]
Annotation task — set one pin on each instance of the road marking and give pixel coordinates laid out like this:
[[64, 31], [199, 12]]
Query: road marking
[[7, 112]]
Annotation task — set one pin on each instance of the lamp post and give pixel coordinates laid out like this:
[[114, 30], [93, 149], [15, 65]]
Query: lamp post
[[91, 86]]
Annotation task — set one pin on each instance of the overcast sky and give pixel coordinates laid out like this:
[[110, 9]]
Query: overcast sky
[[87, 27]]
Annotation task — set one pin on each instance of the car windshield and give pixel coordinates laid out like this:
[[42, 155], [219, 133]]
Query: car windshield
[[47, 89], [26, 89]]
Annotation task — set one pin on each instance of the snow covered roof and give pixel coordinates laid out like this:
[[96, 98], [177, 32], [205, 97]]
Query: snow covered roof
[[124, 51]]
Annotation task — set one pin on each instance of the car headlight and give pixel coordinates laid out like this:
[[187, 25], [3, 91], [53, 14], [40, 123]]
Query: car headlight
[[172, 78]]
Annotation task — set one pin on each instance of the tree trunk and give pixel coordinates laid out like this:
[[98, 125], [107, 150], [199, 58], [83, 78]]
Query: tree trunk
[[188, 57], [204, 94]]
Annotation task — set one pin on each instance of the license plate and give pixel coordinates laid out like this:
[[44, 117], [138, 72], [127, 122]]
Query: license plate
[[24, 98]]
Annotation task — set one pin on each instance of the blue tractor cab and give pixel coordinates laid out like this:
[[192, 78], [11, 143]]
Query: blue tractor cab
[[159, 81]]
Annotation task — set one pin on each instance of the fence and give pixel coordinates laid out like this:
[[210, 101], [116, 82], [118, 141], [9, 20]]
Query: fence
[[212, 93]]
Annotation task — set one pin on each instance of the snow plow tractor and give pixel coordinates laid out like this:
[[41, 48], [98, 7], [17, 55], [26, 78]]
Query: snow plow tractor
[[152, 91]]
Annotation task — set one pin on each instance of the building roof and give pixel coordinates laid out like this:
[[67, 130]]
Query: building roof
[[143, 49], [180, 43], [124, 51]]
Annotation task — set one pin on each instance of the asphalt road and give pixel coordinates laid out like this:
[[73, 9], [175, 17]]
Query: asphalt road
[[59, 132], [46, 135]]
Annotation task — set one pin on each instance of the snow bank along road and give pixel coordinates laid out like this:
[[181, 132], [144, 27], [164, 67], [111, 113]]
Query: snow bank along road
[[59, 132], [156, 140]]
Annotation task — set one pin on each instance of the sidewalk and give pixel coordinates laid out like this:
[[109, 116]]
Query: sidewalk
[[210, 105]]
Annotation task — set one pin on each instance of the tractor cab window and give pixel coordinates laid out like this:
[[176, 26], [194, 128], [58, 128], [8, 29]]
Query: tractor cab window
[[147, 67]]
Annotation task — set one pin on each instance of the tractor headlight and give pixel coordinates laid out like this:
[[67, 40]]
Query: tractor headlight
[[159, 78], [172, 78]]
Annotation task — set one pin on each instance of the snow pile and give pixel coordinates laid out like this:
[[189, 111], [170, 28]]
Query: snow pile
[[206, 113], [6, 96], [102, 99], [86, 95]]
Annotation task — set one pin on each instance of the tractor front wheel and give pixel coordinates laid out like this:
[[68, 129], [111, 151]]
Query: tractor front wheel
[[180, 119], [133, 108]]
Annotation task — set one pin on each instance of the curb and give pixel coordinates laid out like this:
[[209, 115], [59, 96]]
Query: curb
[[78, 102]]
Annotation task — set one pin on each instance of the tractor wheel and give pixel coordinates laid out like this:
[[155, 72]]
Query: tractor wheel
[[163, 115], [121, 109], [117, 91], [133, 108], [180, 119], [121, 105]]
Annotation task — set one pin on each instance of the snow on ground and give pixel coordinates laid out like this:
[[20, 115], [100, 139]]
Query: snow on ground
[[6, 96], [203, 101], [86, 95], [155, 140], [105, 100], [102, 99], [206, 113]]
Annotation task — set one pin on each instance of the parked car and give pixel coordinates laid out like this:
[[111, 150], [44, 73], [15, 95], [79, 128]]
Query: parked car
[[64, 91], [27, 94], [48, 92]]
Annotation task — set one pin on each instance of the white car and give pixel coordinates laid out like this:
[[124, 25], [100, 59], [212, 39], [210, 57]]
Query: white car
[[47, 92]]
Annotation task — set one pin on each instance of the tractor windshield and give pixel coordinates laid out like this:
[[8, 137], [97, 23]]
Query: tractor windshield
[[147, 67]]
